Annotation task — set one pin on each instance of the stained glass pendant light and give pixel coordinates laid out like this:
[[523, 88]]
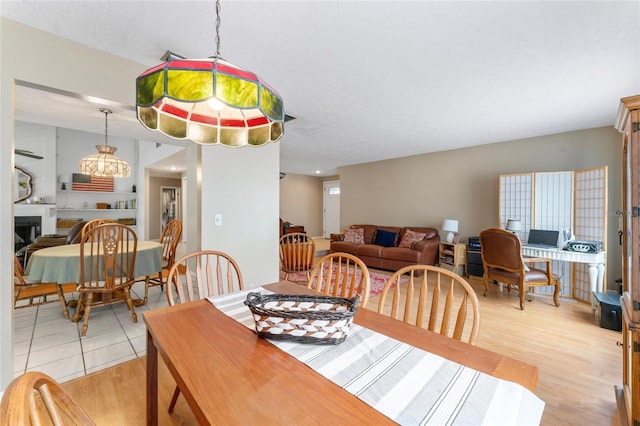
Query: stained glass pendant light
[[105, 163], [209, 101]]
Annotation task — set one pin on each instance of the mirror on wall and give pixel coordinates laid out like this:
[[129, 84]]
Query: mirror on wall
[[23, 185]]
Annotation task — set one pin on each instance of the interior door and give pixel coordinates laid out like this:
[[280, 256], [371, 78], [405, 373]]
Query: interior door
[[170, 205], [331, 208]]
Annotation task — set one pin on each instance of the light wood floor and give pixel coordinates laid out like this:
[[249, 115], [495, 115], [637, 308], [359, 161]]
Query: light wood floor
[[579, 365]]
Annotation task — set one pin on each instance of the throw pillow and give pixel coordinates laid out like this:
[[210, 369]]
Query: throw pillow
[[354, 235], [411, 237], [385, 238]]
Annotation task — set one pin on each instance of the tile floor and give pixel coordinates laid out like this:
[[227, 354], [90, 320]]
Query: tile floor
[[46, 341]]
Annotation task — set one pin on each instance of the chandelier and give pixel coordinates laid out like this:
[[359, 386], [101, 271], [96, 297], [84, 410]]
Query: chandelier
[[105, 163], [209, 101]]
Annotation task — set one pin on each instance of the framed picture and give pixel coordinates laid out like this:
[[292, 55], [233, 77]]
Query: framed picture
[[456, 238]]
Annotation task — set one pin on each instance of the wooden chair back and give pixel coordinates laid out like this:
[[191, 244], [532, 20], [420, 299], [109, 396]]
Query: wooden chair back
[[433, 298], [341, 275], [107, 264], [199, 275], [170, 239], [202, 274], [297, 254], [92, 224], [26, 294], [502, 260], [34, 398]]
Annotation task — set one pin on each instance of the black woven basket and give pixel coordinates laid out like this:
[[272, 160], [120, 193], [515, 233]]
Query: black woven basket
[[321, 320]]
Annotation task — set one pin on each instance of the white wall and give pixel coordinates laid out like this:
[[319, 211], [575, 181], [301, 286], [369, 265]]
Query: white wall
[[244, 196], [41, 140]]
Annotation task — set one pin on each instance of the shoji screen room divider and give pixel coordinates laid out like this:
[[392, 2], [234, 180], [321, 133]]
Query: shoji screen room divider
[[575, 200]]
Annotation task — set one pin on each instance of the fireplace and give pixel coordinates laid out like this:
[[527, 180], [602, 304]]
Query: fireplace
[[31, 221], [27, 228]]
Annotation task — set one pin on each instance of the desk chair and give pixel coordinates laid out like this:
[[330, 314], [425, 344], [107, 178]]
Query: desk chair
[[341, 275], [199, 275], [35, 398], [503, 262], [433, 298]]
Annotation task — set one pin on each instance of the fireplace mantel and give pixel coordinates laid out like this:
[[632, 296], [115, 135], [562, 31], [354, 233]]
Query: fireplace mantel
[[46, 211]]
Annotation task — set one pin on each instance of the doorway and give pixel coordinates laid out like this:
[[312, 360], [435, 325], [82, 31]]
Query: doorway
[[331, 208], [170, 205]]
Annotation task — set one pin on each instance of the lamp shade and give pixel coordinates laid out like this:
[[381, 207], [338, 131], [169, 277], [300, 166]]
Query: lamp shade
[[451, 226], [209, 101], [104, 163], [513, 225]]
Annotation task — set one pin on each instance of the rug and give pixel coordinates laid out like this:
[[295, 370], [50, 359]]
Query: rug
[[378, 280]]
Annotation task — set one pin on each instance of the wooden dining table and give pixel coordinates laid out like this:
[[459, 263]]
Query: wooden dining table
[[228, 375]]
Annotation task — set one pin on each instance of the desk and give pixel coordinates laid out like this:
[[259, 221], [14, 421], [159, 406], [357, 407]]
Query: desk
[[61, 264], [230, 376], [596, 262]]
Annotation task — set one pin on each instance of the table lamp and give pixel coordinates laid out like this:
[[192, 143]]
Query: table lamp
[[450, 226], [513, 225]]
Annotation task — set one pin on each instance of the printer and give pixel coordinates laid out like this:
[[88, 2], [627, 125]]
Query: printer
[[584, 246]]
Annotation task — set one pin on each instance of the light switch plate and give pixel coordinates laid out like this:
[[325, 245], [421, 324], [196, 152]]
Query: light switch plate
[[217, 219]]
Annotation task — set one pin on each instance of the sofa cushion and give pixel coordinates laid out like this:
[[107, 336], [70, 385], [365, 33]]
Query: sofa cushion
[[370, 250], [354, 235], [344, 247], [385, 238], [369, 232], [411, 237], [402, 254]]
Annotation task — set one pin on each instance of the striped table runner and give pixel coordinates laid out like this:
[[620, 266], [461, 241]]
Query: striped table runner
[[407, 384]]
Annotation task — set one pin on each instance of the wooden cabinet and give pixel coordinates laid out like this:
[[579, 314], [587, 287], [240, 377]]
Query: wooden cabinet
[[453, 257], [628, 396]]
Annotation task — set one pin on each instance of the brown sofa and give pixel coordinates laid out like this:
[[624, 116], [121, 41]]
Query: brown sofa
[[393, 258]]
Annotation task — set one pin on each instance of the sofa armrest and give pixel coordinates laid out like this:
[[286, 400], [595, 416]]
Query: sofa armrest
[[336, 237], [430, 248]]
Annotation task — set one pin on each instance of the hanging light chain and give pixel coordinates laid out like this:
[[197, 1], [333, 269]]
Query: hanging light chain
[[106, 112], [217, 28]]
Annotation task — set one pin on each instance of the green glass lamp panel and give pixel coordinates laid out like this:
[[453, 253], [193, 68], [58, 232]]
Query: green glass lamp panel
[[188, 85], [233, 136], [149, 117], [203, 134], [259, 135], [271, 104], [236, 91], [173, 127], [277, 130], [150, 88]]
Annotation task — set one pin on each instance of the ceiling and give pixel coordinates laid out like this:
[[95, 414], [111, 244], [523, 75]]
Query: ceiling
[[371, 80]]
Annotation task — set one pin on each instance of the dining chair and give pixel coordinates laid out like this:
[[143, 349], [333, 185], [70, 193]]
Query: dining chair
[[502, 260], [107, 263], [27, 293], [93, 223], [169, 240], [34, 398], [434, 298], [199, 275], [341, 275], [297, 254]]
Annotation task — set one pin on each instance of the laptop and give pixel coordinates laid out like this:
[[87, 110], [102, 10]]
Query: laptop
[[540, 238]]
